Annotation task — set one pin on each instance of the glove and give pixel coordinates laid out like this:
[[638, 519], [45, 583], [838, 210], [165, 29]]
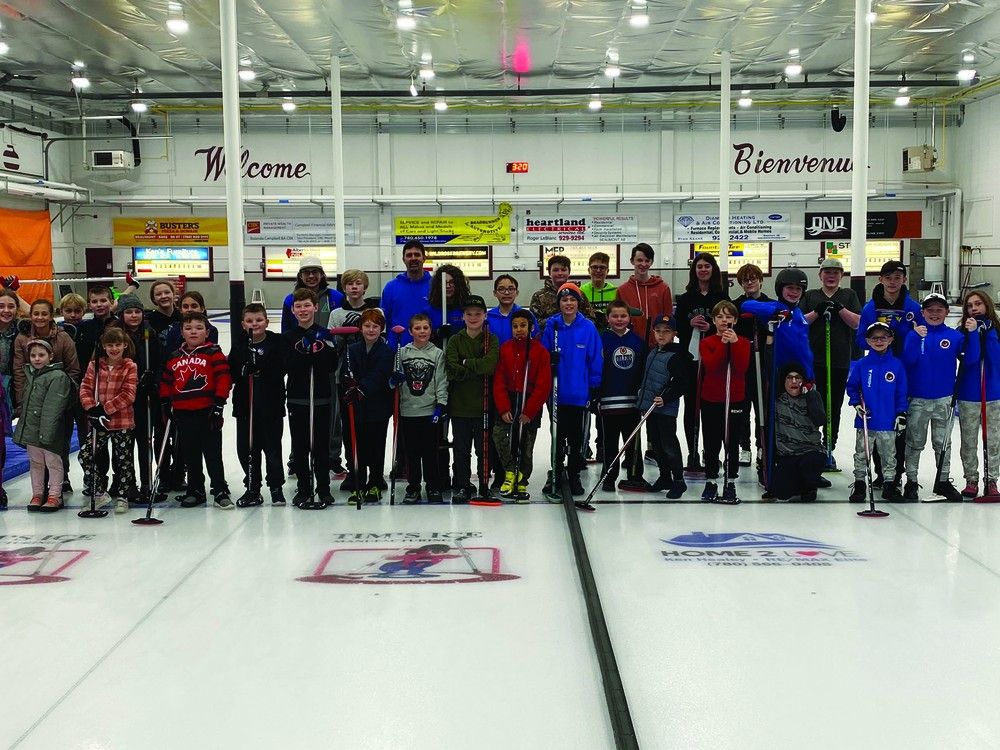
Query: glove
[[146, 379], [97, 416], [861, 410], [554, 359], [900, 424], [594, 400], [24, 326], [397, 378], [439, 412], [824, 307], [247, 369], [324, 334], [13, 283], [215, 419], [353, 395], [444, 331], [166, 410], [131, 280], [783, 315]]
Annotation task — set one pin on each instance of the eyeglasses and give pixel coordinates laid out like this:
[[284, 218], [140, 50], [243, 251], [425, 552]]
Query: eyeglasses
[[598, 268], [878, 338], [797, 378], [506, 289]]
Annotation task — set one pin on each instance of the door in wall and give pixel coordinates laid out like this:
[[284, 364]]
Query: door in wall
[[98, 261]]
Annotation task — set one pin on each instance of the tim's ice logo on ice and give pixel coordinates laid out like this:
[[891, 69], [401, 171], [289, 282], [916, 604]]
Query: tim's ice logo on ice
[[753, 549], [438, 562], [21, 565]]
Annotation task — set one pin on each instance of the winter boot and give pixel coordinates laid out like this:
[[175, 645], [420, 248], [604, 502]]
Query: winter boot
[[507, 488], [858, 492]]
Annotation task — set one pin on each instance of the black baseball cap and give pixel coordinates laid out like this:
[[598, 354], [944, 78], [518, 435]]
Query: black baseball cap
[[666, 320], [892, 266], [474, 301]]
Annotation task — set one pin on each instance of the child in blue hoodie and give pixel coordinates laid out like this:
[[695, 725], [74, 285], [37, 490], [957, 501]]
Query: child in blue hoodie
[[876, 388], [576, 356], [979, 318], [931, 355]]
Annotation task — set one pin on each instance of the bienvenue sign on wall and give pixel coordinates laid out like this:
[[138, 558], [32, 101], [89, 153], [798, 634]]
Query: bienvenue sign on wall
[[600, 230], [770, 227]]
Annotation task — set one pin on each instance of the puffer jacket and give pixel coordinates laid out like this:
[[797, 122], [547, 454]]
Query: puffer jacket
[[667, 370], [46, 397], [799, 419], [63, 352]]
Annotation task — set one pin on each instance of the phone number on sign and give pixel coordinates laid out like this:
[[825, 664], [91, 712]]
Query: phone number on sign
[[571, 238]]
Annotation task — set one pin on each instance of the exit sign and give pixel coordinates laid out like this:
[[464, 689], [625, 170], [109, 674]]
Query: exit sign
[[517, 167]]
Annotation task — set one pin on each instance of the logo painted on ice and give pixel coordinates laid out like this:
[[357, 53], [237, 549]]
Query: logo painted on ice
[[753, 549], [36, 564], [429, 563], [623, 358]]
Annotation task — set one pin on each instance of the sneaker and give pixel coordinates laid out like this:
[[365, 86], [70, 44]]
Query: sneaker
[[435, 497], [121, 506], [35, 505], [878, 483], [412, 496], [891, 493], [729, 494], [277, 496], [576, 486], [338, 470], [300, 497], [659, 485], [324, 499], [67, 487], [348, 484], [3, 499], [102, 500], [808, 496], [498, 481], [858, 492], [677, 488], [192, 499], [55, 503], [460, 496], [373, 495], [991, 489], [222, 500], [823, 483], [507, 487], [948, 491], [745, 457], [831, 464], [521, 486], [971, 489], [356, 498], [911, 491], [711, 492], [249, 499], [635, 484], [608, 485]]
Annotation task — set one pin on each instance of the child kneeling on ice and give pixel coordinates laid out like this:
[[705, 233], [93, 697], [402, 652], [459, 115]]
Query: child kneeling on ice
[[664, 382], [801, 454]]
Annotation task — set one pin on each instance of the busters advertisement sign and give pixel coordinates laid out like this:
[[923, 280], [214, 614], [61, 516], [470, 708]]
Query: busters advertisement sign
[[612, 230], [742, 227], [882, 225]]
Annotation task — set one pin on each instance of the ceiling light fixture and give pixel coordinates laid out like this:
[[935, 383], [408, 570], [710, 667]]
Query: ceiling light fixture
[[794, 52], [288, 105], [246, 74], [406, 22], [80, 81], [139, 106], [427, 73], [441, 105], [4, 47], [793, 69], [595, 104], [968, 57], [902, 101], [79, 64], [871, 17], [745, 102], [612, 71], [639, 17], [177, 25], [904, 89], [966, 74], [613, 56]]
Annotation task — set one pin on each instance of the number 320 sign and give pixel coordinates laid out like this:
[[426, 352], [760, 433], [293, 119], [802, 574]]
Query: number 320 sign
[[517, 167]]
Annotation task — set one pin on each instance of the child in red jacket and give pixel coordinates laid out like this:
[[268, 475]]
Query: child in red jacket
[[519, 393], [107, 394], [193, 394], [721, 352]]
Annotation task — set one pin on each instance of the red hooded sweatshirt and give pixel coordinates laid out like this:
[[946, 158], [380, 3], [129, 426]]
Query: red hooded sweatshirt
[[652, 296]]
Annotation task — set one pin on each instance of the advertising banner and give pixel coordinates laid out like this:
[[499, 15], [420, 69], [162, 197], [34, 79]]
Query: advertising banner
[[770, 227], [456, 230], [579, 256], [882, 225], [160, 262], [315, 231], [612, 230], [283, 262], [740, 254], [162, 231], [877, 253]]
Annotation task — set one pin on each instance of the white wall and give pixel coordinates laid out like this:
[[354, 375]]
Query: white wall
[[977, 166]]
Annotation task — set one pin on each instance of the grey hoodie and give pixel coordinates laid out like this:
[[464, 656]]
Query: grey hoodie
[[426, 383]]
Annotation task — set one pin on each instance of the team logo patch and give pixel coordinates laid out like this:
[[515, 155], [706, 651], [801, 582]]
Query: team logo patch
[[623, 358], [890, 377], [909, 317], [945, 344]]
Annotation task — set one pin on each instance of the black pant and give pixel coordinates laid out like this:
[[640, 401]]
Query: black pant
[[198, 440], [298, 426], [569, 437], [691, 413], [750, 426], [467, 434], [420, 442], [838, 385], [713, 424], [371, 454], [616, 426], [665, 446], [794, 475], [142, 447], [268, 432]]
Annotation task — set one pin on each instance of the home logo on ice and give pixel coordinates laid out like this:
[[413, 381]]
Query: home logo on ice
[[753, 549]]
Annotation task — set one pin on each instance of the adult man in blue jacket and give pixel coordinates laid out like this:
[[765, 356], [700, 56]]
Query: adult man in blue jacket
[[577, 361], [407, 294]]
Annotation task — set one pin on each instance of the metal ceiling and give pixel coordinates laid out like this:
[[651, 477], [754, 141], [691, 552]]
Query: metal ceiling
[[487, 46]]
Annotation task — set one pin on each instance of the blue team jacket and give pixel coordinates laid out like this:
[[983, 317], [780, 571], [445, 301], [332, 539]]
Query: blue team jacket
[[623, 368], [899, 320], [882, 380], [580, 357], [931, 362], [791, 338], [970, 388]]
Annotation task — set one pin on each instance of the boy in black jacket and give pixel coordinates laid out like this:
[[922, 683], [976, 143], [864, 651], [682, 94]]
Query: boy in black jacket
[[257, 362], [310, 357]]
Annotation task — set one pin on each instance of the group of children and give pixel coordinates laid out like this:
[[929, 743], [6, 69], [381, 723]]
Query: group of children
[[158, 380]]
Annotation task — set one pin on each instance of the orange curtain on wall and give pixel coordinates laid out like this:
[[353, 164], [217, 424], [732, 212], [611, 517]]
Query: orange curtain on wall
[[26, 250]]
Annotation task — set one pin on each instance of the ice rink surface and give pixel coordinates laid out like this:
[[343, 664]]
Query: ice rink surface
[[763, 625]]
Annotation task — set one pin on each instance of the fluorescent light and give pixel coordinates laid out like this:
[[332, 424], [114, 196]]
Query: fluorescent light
[[968, 57], [139, 106], [904, 89], [246, 74], [612, 71], [794, 52], [441, 105], [80, 82], [177, 25], [639, 20], [612, 56], [288, 105], [406, 22], [902, 101], [4, 47], [966, 74], [595, 104], [79, 64], [405, 4], [413, 89], [427, 73], [744, 101], [871, 16], [793, 69]]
